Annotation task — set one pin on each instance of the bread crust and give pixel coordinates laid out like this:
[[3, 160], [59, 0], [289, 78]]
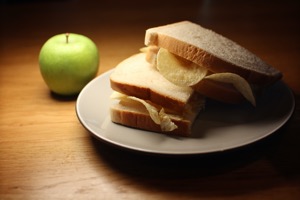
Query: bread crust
[[265, 76]]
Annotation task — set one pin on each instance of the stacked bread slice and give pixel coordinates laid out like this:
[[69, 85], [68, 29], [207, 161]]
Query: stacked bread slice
[[156, 91], [135, 77]]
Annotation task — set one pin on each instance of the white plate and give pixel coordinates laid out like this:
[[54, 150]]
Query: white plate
[[218, 128]]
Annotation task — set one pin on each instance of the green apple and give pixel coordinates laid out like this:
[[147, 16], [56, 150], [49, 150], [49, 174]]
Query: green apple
[[68, 62]]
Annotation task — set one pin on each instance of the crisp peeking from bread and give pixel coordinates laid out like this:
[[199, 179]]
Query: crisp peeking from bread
[[184, 73], [164, 88]]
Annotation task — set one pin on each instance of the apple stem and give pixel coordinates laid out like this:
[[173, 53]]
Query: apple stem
[[67, 37]]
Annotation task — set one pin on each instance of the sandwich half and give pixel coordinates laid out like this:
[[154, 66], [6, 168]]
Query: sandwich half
[[195, 46], [144, 99], [164, 88]]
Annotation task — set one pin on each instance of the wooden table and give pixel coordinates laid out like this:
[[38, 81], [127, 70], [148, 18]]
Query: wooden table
[[45, 153]]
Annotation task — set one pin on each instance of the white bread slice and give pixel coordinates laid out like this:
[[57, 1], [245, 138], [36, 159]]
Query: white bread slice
[[136, 77], [134, 114], [211, 50]]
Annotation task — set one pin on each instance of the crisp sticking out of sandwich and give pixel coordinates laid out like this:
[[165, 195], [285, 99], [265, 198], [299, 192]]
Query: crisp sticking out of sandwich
[[202, 53], [163, 88]]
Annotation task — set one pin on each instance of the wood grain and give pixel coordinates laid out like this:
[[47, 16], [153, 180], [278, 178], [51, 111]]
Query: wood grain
[[45, 153]]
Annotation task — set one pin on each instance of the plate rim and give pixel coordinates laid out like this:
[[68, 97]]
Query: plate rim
[[288, 114]]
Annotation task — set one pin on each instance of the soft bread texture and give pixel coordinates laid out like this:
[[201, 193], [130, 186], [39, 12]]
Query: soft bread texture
[[136, 77], [134, 114], [211, 50]]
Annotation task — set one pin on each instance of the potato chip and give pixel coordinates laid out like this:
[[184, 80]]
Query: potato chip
[[177, 70], [144, 49], [166, 123], [158, 116], [237, 81]]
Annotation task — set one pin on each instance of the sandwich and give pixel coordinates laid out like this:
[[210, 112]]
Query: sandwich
[[214, 65], [163, 88], [144, 99]]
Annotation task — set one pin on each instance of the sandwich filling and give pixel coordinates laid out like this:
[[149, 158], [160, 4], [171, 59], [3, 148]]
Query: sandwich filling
[[183, 72], [162, 116], [156, 113]]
